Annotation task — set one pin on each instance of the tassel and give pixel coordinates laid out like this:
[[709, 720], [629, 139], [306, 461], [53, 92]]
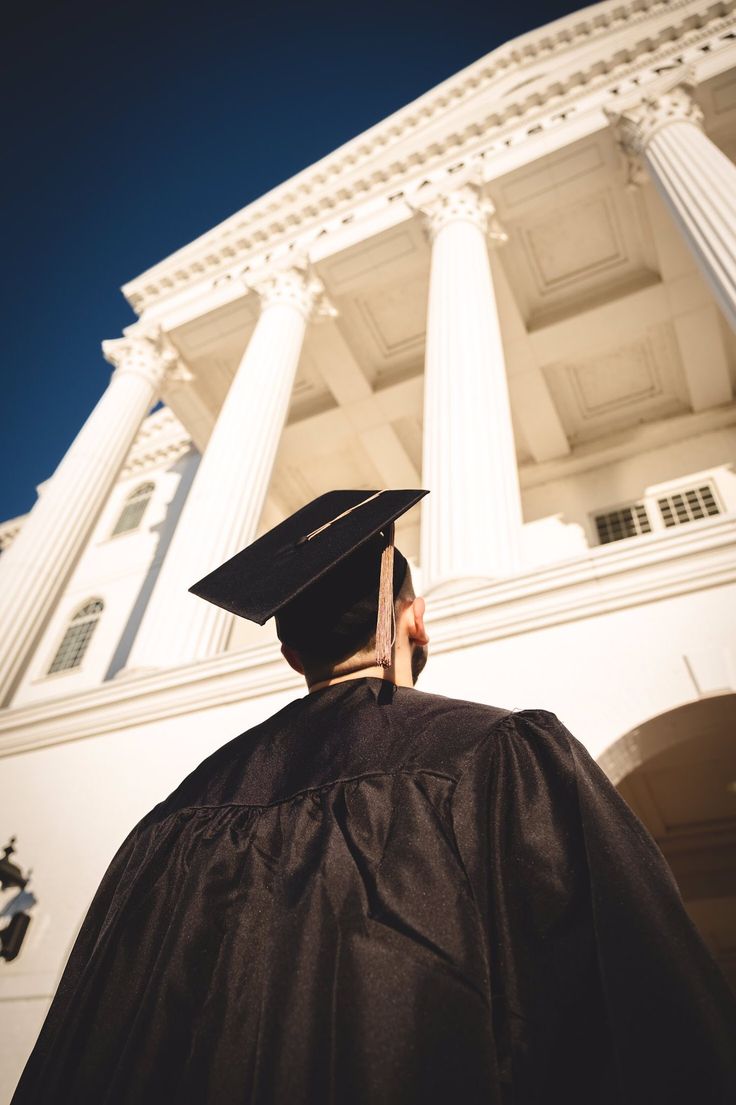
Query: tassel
[[386, 621]]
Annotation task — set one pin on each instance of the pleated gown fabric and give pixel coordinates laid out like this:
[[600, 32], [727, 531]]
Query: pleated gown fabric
[[386, 897]]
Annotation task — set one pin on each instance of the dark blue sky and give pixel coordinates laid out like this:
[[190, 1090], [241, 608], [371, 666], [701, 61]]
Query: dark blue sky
[[130, 128]]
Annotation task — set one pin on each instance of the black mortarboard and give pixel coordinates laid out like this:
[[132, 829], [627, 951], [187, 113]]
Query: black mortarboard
[[337, 548]]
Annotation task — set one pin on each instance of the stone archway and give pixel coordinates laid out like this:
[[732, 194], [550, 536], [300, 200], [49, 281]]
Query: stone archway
[[677, 771]]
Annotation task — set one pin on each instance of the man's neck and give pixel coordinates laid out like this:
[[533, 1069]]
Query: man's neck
[[374, 672]]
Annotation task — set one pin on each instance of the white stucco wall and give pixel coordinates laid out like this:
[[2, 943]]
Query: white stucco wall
[[121, 570]]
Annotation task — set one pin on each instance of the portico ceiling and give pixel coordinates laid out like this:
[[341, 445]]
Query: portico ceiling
[[379, 288], [595, 293]]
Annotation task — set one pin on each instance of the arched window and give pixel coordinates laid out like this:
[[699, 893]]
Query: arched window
[[70, 652], [134, 509]]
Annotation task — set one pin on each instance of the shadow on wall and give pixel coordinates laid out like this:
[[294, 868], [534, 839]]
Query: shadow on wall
[[187, 465], [677, 771]]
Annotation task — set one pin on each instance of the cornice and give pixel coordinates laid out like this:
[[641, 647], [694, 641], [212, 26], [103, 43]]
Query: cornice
[[162, 439], [321, 197], [160, 422], [164, 454], [9, 531], [607, 578]]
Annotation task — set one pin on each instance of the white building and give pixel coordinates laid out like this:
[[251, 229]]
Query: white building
[[520, 292]]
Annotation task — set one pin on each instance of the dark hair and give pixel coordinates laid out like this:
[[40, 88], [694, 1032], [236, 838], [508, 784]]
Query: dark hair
[[335, 618]]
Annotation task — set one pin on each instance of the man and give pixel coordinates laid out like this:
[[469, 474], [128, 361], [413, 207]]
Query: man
[[380, 896]]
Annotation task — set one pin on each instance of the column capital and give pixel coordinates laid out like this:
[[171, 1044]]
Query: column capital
[[467, 202], [151, 356], [696, 180], [297, 286], [635, 124]]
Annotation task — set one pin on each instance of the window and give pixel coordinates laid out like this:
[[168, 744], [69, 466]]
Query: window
[[627, 521], [660, 509], [134, 509], [70, 652], [687, 506]]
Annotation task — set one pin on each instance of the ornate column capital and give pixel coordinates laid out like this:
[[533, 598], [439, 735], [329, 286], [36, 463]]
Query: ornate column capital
[[151, 356], [468, 202], [664, 133], [297, 286], [635, 124]]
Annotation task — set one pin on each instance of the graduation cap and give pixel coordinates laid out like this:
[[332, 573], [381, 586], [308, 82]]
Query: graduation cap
[[335, 552]]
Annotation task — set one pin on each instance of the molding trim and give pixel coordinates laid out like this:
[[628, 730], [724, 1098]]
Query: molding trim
[[607, 578], [162, 439], [9, 531], [653, 735], [626, 443], [157, 455], [318, 199]]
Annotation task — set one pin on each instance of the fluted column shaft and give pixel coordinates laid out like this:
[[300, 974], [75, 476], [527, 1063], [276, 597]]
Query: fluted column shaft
[[472, 519], [696, 181], [224, 506], [35, 569]]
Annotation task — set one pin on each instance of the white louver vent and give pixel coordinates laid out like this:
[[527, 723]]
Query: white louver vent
[[688, 505], [660, 508], [627, 521]]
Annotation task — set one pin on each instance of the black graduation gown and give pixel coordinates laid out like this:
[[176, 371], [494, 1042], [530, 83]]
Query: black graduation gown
[[386, 897]]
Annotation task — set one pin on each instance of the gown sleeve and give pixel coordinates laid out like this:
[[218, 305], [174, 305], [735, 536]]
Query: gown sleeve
[[71, 1011], [585, 905]]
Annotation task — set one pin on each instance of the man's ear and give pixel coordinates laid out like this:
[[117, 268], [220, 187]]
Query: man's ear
[[417, 631], [292, 658]]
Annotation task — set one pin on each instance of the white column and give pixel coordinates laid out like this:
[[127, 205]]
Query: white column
[[472, 519], [695, 179], [35, 569], [224, 506]]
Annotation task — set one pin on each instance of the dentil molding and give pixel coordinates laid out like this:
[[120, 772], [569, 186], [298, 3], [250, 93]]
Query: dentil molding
[[9, 531]]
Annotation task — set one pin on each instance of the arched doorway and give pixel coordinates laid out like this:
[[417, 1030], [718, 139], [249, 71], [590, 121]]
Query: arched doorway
[[677, 771]]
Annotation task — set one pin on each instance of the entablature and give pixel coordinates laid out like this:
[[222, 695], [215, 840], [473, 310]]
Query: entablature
[[464, 117]]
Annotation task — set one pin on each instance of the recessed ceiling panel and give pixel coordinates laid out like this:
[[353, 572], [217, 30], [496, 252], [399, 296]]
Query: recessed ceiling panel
[[574, 243], [396, 317], [538, 183], [230, 326], [388, 249], [639, 381], [409, 432], [310, 394], [395, 254], [723, 92], [386, 328], [564, 256]]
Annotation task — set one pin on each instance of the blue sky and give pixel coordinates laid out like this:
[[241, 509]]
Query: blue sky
[[131, 128]]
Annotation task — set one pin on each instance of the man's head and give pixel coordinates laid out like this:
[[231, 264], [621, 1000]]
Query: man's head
[[329, 630], [328, 574]]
